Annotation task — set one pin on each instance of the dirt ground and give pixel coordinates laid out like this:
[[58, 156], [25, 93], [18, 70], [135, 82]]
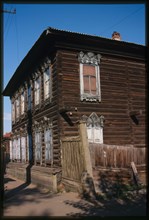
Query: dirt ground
[[28, 200]]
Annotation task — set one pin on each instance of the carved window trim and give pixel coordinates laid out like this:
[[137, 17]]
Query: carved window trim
[[93, 60], [37, 90], [13, 115], [95, 126], [38, 145], [22, 102], [47, 84], [29, 96], [48, 142], [23, 148], [17, 106]]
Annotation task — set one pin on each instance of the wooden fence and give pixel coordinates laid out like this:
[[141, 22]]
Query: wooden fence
[[78, 156], [72, 158], [116, 156]]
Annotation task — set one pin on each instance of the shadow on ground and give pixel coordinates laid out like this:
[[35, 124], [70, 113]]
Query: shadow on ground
[[120, 202], [22, 194], [115, 199], [114, 207]]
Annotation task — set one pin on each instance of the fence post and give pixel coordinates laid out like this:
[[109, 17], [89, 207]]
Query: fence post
[[85, 146]]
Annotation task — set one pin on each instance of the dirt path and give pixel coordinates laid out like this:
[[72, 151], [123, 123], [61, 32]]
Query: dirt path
[[28, 200]]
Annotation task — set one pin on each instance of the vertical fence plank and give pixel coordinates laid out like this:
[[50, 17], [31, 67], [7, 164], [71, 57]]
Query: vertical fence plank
[[117, 156]]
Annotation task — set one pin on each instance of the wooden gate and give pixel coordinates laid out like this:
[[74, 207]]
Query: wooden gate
[[72, 159], [76, 158]]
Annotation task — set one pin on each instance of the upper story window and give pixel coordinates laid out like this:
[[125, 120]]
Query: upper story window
[[22, 103], [37, 91], [89, 76], [13, 111], [29, 97], [17, 107], [47, 83]]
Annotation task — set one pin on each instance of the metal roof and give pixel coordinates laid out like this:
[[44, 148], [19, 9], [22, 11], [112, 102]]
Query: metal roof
[[89, 35]]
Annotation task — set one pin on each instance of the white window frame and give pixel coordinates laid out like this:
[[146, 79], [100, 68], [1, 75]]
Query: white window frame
[[23, 148], [48, 144], [29, 97], [17, 107], [95, 134], [94, 126], [38, 146], [93, 60], [37, 85], [18, 149], [13, 111], [22, 103], [47, 83], [89, 96], [14, 149]]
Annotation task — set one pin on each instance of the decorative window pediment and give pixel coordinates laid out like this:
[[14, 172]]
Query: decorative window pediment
[[89, 58], [89, 76]]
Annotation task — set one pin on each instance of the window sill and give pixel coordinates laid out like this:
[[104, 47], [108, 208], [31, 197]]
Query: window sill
[[90, 98]]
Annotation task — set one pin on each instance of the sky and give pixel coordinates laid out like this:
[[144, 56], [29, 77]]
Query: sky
[[21, 30]]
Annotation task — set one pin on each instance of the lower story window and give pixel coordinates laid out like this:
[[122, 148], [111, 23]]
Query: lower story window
[[23, 149], [48, 144], [94, 128], [95, 134], [38, 146]]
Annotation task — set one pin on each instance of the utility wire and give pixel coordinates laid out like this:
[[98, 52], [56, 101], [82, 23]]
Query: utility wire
[[8, 22], [122, 20], [17, 39]]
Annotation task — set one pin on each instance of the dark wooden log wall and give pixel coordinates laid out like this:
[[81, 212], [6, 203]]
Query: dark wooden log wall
[[50, 110], [122, 91]]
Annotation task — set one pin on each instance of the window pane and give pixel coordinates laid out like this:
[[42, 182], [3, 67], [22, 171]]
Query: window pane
[[23, 147], [22, 103], [86, 84], [13, 112], [48, 142], [89, 70], [38, 146], [93, 85], [17, 107], [47, 83], [18, 149], [37, 91], [97, 135]]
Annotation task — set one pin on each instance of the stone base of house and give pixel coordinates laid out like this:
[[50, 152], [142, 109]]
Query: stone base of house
[[44, 177]]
